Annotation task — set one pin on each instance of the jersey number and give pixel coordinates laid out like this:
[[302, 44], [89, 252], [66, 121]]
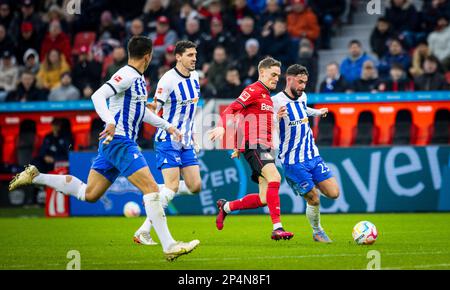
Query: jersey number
[[324, 168]]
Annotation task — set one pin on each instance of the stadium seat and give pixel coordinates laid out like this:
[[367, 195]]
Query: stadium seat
[[326, 131], [86, 38], [403, 131], [365, 132], [441, 128], [26, 142]]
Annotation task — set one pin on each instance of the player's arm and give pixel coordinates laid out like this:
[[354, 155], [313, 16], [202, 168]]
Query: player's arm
[[101, 107], [316, 112], [156, 121]]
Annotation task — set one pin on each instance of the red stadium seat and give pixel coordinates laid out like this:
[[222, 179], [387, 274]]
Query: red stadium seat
[[86, 38]]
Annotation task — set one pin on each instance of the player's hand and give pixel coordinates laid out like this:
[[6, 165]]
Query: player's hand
[[152, 106], [108, 133], [216, 133], [324, 112], [196, 147], [172, 130], [235, 154], [282, 112]]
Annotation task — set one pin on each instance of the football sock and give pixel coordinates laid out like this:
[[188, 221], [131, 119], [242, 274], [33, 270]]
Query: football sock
[[250, 201], [183, 189], [67, 184], [313, 215], [146, 226], [157, 217], [273, 202], [166, 193]]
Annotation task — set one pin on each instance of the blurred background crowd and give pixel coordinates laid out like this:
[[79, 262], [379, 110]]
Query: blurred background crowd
[[48, 54]]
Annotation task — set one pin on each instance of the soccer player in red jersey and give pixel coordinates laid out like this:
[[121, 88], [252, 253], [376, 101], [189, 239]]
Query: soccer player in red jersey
[[255, 107]]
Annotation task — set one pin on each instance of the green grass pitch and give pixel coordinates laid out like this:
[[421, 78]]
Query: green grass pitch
[[406, 241]]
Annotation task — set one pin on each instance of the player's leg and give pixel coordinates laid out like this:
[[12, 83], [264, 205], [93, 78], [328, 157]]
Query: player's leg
[[66, 184], [144, 181], [192, 179], [329, 187], [313, 215]]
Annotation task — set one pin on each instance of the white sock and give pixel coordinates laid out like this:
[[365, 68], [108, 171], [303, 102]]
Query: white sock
[[156, 215], [226, 207], [277, 225], [166, 193], [313, 215], [146, 226], [183, 189], [74, 187]]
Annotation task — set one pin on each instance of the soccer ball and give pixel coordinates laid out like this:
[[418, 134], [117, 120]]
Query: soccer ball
[[131, 209], [365, 233]]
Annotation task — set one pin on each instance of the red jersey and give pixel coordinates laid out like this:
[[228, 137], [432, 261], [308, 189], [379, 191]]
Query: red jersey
[[254, 109]]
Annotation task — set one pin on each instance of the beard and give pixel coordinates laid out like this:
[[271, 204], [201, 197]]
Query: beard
[[296, 93]]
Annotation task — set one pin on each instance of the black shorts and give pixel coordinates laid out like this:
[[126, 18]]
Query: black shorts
[[257, 158]]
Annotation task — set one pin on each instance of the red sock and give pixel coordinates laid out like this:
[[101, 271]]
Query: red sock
[[249, 201], [273, 201]]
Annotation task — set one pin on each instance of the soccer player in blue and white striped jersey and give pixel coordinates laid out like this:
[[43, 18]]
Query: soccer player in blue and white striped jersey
[[304, 169], [177, 94], [118, 152]]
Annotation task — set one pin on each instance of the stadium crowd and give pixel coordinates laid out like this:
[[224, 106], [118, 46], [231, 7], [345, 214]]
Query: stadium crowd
[[48, 54]]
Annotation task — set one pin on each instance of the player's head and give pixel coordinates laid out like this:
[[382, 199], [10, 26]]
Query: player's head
[[269, 70], [296, 79], [186, 54], [140, 48]]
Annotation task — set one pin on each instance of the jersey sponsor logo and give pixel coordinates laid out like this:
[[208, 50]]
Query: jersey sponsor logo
[[265, 107], [263, 96], [298, 122], [117, 78], [244, 96], [188, 102]]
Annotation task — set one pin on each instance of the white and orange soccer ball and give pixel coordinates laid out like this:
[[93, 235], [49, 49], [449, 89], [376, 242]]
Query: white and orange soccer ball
[[131, 209], [365, 233]]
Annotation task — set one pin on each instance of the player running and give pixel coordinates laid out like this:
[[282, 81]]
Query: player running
[[303, 167], [256, 106], [118, 152], [177, 93]]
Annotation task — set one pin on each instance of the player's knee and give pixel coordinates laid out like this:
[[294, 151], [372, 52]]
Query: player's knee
[[90, 196], [196, 187], [334, 193], [312, 198], [263, 200], [152, 187]]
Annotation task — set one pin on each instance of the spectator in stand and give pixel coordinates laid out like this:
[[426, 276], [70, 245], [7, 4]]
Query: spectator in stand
[[237, 13], [27, 90], [55, 13], [66, 91], [431, 11], [404, 19], [439, 41], [9, 74], [86, 71], [218, 68], [368, 82], [194, 34], [208, 91], [247, 31], [308, 58], [168, 61], [257, 6], [119, 60], [380, 36], [396, 54], [328, 13], [351, 66], [187, 11], [272, 12], [136, 29], [233, 86], [218, 36], [398, 81], [56, 39], [27, 14], [55, 147], [302, 22], [277, 43], [51, 69], [87, 92], [211, 9], [31, 61], [333, 82], [248, 62], [420, 53], [6, 15], [162, 38], [432, 79], [107, 28], [153, 9], [27, 39], [6, 42]]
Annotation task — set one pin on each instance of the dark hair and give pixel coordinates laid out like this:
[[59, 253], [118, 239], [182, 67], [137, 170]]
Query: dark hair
[[355, 41], [383, 19], [432, 58], [183, 45], [138, 46], [268, 62], [397, 65], [296, 69]]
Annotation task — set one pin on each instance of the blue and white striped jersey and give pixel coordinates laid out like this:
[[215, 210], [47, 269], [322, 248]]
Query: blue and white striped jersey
[[128, 104], [178, 96], [296, 137]]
